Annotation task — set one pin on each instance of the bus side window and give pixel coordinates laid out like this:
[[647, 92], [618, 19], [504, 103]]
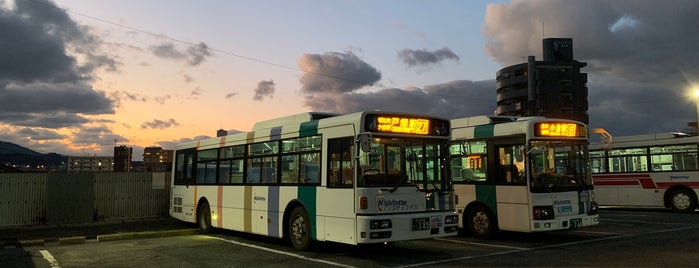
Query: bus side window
[[340, 163], [510, 169]]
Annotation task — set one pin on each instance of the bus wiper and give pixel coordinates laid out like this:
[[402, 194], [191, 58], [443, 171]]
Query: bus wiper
[[403, 179], [436, 187]]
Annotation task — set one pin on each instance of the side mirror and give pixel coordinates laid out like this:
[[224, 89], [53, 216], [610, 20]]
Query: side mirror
[[365, 143]]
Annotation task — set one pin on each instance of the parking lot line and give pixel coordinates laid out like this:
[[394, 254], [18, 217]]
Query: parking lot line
[[50, 259], [283, 253], [478, 244], [513, 251]]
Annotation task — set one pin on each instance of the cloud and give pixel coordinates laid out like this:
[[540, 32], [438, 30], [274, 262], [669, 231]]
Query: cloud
[[162, 99], [196, 92], [264, 88], [100, 136], [159, 124], [193, 56], [46, 36], [450, 100], [642, 57], [423, 57], [46, 70], [231, 95], [169, 145], [40, 134], [44, 120], [335, 72]]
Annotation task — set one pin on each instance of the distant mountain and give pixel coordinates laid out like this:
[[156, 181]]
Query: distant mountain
[[26, 159], [11, 148]]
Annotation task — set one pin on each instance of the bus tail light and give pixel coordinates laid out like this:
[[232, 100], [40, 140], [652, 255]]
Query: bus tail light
[[363, 202], [543, 213]]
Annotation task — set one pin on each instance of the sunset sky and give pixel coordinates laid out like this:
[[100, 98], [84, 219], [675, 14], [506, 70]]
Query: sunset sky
[[77, 75]]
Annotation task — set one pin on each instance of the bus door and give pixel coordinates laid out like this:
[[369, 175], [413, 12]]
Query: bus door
[[512, 194]]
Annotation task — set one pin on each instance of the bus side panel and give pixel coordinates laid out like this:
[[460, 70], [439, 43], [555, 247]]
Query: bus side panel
[[466, 194], [630, 189], [232, 207], [513, 208], [607, 195], [339, 219], [181, 204]]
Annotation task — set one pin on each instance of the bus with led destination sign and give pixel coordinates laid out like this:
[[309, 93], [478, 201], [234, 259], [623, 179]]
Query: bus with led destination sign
[[394, 123], [560, 129], [361, 178], [522, 174]]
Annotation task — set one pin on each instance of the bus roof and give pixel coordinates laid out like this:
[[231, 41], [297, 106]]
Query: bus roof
[[648, 140], [291, 120], [264, 130], [481, 120]]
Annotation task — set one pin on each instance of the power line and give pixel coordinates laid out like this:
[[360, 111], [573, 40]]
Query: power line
[[48, 5]]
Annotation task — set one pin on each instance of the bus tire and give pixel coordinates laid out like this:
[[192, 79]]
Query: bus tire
[[683, 200], [480, 222], [204, 218], [299, 229]]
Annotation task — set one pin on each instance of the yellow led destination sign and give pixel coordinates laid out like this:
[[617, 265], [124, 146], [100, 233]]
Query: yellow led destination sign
[[554, 129], [403, 125]]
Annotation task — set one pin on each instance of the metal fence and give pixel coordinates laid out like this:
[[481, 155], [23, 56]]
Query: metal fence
[[69, 198]]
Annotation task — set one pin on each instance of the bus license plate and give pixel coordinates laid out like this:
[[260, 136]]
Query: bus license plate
[[575, 223], [421, 224]]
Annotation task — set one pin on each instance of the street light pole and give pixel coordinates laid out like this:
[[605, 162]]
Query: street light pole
[[696, 101]]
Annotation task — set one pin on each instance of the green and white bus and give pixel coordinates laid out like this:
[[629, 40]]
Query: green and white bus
[[368, 177], [526, 174]]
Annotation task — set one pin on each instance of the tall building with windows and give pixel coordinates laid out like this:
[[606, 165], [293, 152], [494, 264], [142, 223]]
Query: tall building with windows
[[90, 163], [155, 159], [554, 87], [122, 158]]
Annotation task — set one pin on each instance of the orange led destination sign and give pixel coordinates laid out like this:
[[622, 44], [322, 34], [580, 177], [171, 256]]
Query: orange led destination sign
[[554, 129], [403, 125]]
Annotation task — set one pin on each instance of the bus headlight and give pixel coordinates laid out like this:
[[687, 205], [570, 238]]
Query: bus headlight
[[451, 219], [543, 213], [380, 224]]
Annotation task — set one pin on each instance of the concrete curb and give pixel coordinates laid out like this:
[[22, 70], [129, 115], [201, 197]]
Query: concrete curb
[[100, 238]]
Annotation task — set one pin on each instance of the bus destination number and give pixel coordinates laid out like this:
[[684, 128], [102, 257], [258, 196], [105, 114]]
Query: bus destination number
[[420, 224]]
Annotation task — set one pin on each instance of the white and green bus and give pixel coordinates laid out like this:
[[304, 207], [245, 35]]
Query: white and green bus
[[526, 174], [361, 178]]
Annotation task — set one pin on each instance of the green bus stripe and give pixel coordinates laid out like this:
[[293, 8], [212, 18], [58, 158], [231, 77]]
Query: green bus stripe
[[308, 129], [485, 131], [486, 194], [307, 195]]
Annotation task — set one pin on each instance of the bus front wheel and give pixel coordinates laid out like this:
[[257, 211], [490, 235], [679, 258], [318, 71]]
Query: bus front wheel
[[683, 200], [481, 222], [204, 218], [299, 229]]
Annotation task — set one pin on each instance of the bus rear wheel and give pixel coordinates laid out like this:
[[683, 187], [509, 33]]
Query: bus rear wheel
[[683, 200], [480, 222], [204, 218], [299, 229]]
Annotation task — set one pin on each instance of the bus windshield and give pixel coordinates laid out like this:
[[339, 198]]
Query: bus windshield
[[558, 166], [397, 162]]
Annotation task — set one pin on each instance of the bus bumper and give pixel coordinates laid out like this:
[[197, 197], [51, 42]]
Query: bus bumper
[[398, 227], [564, 223]]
